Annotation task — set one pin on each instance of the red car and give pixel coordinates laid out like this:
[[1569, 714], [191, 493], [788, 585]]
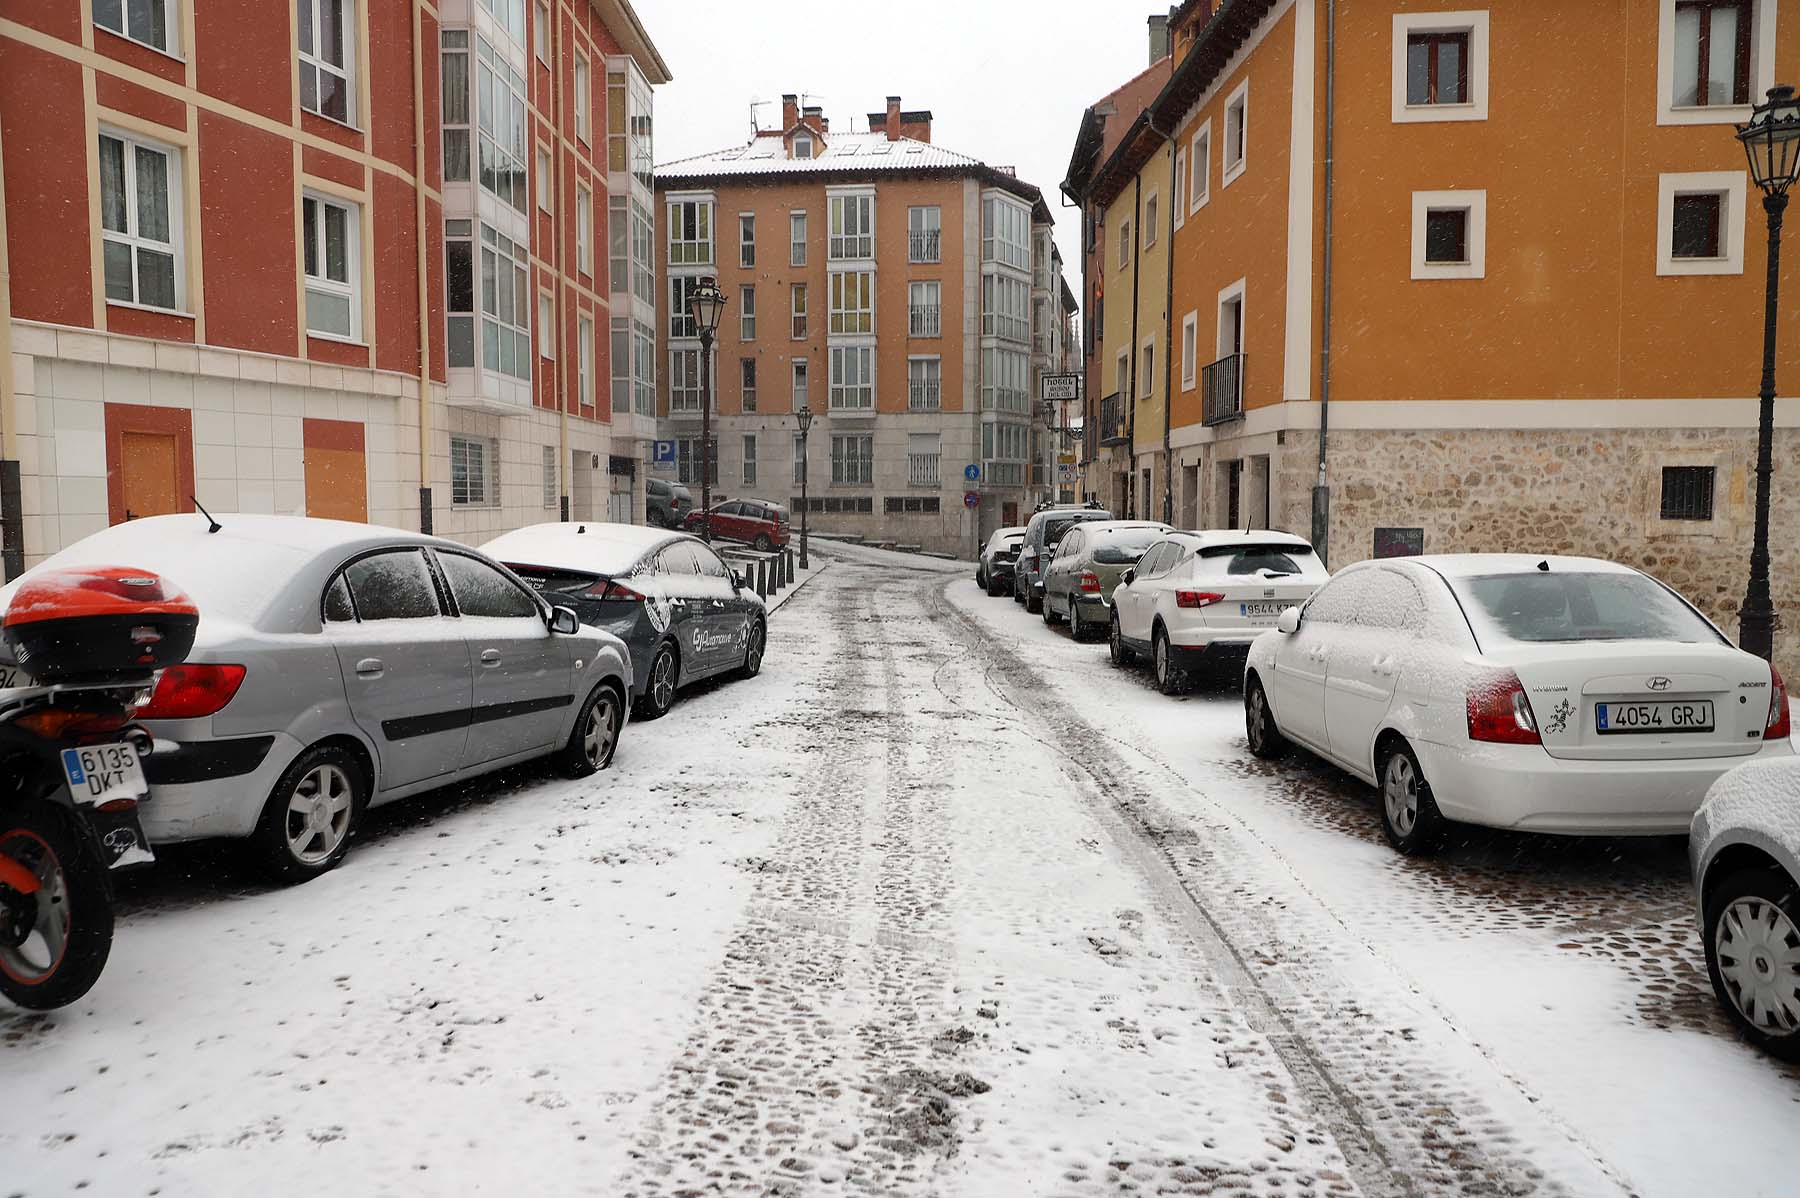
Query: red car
[[752, 521]]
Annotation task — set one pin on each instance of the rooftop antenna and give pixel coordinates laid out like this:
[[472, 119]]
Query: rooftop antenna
[[212, 525], [755, 125]]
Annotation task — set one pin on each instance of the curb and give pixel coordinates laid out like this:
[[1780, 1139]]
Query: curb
[[780, 603]]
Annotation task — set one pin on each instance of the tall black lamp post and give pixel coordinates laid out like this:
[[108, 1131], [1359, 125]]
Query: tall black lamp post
[[803, 416], [706, 304], [1772, 142]]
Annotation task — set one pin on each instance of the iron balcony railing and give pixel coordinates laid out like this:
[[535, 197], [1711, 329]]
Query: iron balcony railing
[[1040, 475], [924, 320], [1222, 390], [922, 245], [922, 469], [926, 395], [1112, 419]]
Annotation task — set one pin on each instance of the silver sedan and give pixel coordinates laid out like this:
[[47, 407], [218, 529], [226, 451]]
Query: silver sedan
[[339, 666]]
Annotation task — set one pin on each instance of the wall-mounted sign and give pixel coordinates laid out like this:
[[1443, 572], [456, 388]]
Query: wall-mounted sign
[[1059, 387], [1399, 542]]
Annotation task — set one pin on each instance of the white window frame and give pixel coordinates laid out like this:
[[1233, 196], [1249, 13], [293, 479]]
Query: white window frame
[[581, 83], [1732, 188], [703, 245], [549, 456], [584, 230], [797, 238], [746, 243], [937, 376], [747, 312], [749, 459], [1475, 202], [487, 452], [546, 326], [1228, 293], [1178, 188], [845, 247], [803, 139], [931, 291], [1190, 351], [684, 384], [1122, 374], [1762, 70], [852, 459], [540, 15], [835, 389], [800, 386], [175, 246], [799, 307], [346, 70], [1200, 167], [1473, 22], [1147, 367], [843, 320], [1230, 171], [1126, 244], [171, 10], [1152, 201], [351, 288], [584, 360], [545, 187]]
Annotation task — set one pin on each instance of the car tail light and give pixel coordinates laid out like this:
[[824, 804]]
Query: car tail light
[[1197, 598], [1780, 720], [63, 723], [186, 692], [1090, 584], [617, 592], [1500, 711]]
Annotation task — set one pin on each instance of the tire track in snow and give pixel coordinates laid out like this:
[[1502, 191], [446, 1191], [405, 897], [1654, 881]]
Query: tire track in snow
[[1405, 1127]]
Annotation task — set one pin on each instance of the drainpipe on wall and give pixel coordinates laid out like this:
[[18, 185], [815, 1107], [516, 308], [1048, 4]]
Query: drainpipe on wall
[[1131, 351], [1168, 356], [1321, 505], [564, 461], [12, 520], [424, 265]]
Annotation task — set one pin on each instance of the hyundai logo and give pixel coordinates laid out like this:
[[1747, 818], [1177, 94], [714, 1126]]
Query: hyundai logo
[[1658, 683]]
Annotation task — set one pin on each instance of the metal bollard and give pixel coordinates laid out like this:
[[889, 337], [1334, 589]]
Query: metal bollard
[[781, 567], [762, 580], [788, 554]]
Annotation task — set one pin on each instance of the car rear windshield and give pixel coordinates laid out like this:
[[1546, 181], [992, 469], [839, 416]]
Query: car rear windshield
[[554, 581], [1126, 546], [1054, 529], [1540, 607], [1263, 560]]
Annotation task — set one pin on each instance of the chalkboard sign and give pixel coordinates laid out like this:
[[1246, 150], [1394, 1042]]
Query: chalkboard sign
[[1399, 542]]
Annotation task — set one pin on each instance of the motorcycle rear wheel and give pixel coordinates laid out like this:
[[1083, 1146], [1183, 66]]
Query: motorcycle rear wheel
[[54, 943]]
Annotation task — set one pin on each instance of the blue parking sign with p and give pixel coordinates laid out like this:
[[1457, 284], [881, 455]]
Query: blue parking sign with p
[[662, 453]]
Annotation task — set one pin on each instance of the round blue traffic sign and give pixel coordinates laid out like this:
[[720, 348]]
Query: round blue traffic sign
[[972, 472], [971, 498]]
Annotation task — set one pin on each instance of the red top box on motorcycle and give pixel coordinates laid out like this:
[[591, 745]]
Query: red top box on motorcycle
[[97, 623]]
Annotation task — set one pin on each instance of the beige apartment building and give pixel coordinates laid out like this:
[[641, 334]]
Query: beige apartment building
[[910, 296]]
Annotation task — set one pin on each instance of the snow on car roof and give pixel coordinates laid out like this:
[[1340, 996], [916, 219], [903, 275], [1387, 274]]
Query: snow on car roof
[[591, 545], [237, 574], [1205, 537], [1473, 565]]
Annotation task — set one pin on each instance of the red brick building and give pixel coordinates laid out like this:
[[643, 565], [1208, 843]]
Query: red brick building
[[336, 257]]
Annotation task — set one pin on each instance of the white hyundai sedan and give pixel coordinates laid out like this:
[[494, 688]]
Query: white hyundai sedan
[[1545, 694]]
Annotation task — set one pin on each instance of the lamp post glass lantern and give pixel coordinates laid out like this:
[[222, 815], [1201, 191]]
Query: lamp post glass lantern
[[706, 305], [1771, 141], [803, 416]]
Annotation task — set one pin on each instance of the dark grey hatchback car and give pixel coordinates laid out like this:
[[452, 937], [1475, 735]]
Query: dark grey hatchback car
[[667, 595]]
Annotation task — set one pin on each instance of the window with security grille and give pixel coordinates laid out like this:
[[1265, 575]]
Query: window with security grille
[[474, 467], [1687, 493], [853, 459]]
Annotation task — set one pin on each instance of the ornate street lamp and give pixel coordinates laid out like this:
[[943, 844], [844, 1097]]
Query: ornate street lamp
[[706, 303], [803, 416], [1772, 143]]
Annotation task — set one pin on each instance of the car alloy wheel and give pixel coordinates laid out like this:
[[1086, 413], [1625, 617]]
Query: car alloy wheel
[[1169, 676], [1409, 815], [1259, 723], [1758, 949], [1115, 642], [1400, 794], [600, 730], [763, 544], [662, 681], [753, 651], [318, 814]]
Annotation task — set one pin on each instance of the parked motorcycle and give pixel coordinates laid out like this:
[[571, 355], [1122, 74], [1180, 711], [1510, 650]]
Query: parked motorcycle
[[82, 649]]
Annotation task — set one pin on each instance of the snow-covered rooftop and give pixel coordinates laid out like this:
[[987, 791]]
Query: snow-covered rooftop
[[766, 154]]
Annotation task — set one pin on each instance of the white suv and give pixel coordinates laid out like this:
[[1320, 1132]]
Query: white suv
[[1196, 598]]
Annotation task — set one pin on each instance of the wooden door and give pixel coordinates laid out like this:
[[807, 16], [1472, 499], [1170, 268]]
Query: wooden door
[[337, 480], [149, 461]]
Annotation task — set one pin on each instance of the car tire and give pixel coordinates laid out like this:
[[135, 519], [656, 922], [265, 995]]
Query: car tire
[[1078, 627], [1018, 595], [1409, 815], [754, 646], [1034, 602], [660, 683], [1050, 616], [1265, 739], [1171, 679], [1751, 916], [993, 589], [763, 544], [981, 578], [311, 815], [1121, 653], [595, 737]]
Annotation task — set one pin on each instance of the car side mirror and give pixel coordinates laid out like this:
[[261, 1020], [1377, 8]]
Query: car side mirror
[[1128, 577], [1289, 622], [563, 621]]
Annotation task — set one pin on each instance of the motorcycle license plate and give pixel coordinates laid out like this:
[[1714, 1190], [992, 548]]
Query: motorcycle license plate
[[1615, 718], [98, 774]]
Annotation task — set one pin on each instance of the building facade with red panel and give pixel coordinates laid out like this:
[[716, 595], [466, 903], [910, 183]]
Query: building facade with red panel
[[331, 257]]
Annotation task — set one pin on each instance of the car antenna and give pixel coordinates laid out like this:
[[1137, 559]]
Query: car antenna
[[212, 525], [1544, 566]]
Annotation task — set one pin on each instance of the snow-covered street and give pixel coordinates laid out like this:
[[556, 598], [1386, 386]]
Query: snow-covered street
[[941, 903]]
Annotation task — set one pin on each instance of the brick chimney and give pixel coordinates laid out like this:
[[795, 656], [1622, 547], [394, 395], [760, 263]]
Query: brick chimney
[[1159, 37], [893, 118], [790, 111], [813, 116]]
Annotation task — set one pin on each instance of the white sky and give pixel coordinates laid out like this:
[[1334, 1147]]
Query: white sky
[[1005, 80]]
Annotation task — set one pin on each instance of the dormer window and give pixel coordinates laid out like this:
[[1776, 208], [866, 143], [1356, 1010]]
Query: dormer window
[[803, 146]]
